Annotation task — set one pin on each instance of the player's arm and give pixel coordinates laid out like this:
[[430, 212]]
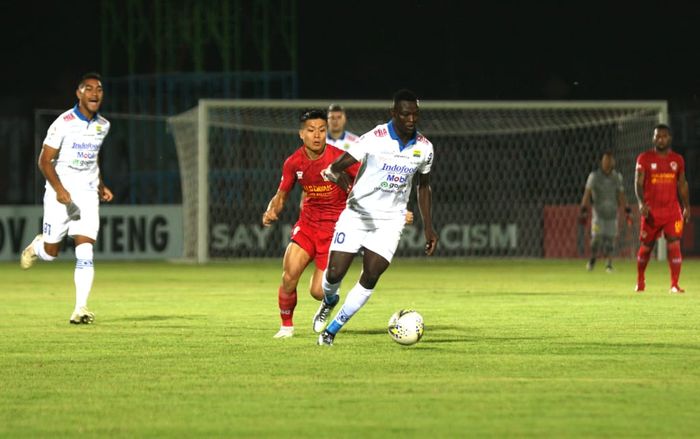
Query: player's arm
[[336, 171], [622, 204], [425, 206], [639, 191], [585, 205], [274, 208], [46, 158], [684, 192]]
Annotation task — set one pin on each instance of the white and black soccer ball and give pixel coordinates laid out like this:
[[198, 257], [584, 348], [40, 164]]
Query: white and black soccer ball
[[406, 327]]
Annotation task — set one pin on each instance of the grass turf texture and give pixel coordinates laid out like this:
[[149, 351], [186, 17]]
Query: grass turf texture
[[525, 348]]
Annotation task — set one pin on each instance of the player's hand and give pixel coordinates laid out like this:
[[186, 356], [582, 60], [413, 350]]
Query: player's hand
[[431, 240], [644, 210], [105, 193], [269, 217], [628, 220], [409, 217], [686, 215], [329, 175], [344, 181], [63, 196]]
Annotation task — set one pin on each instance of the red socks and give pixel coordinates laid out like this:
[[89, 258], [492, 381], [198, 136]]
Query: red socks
[[674, 261], [642, 261], [287, 303]]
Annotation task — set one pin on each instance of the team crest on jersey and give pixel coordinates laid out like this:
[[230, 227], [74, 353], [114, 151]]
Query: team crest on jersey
[[300, 175], [416, 153], [674, 165], [653, 166], [98, 128]]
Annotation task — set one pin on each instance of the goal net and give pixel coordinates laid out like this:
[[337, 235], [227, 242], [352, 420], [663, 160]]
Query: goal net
[[507, 177]]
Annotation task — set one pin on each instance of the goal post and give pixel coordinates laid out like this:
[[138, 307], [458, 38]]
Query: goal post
[[506, 181]]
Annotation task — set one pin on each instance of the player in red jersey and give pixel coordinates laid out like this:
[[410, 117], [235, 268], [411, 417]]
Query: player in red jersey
[[659, 180], [321, 205]]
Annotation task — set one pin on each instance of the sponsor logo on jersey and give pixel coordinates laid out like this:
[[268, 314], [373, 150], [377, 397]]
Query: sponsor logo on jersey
[[87, 155], [318, 190], [84, 145], [381, 132], [399, 169]]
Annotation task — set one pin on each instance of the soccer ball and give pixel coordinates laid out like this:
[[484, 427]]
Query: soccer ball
[[406, 327]]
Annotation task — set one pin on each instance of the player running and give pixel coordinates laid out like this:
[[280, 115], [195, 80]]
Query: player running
[[659, 180], [74, 188], [391, 154], [322, 203]]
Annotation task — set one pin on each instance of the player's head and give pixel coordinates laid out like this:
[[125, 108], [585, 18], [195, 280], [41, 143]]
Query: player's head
[[607, 162], [404, 112], [90, 92], [312, 129], [662, 137], [336, 120]]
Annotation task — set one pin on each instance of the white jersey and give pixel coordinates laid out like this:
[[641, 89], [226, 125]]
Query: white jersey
[[344, 141], [79, 141], [383, 183]]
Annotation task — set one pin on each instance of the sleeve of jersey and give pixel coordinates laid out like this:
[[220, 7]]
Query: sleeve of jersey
[[55, 134], [640, 164], [359, 149], [288, 176], [428, 163], [589, 181]]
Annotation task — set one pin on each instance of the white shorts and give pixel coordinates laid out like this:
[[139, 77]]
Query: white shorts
[[57, 224], [353, 232]]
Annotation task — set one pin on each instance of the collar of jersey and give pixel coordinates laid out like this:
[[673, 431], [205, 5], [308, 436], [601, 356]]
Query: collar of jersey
[[396, 137], [81, 116], [329, 137]]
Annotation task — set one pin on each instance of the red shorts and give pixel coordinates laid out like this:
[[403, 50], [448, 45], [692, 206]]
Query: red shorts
[[651, 227], [314, 240]]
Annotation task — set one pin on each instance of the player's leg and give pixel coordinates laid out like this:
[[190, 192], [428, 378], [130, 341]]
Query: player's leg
[[379, 247], [338, 264], [608, 250], [83, 277], [595, 244], [46, 245], [295, 261], [84, 232], [673, 232], [647, 237]]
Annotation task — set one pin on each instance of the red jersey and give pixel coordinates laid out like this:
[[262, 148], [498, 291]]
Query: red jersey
[[324, 200], [661, 173]]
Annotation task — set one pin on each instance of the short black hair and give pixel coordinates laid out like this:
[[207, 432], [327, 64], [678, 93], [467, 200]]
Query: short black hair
[[89, 75], [312, 113], [336, 107], [663, 126], [404, 95], [607, 152]]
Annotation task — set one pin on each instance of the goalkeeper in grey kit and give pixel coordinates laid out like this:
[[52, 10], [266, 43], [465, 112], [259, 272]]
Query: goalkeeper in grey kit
[[605, 192]]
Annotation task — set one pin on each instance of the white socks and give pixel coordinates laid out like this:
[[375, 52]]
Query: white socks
[[84, 274], [356, 299], [41, 252], [330, 291]]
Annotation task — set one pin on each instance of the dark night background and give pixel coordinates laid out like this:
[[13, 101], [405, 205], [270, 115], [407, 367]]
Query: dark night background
[[498, 50], [442, 50]]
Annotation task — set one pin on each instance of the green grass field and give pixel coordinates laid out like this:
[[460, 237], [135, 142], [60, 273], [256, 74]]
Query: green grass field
[[512, 348]]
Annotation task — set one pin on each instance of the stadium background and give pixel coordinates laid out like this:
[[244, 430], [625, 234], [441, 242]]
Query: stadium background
[[157, 63]]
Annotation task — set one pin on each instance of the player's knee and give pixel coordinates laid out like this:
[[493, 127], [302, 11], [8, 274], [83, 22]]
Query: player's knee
[[369, 280], [52, 249], [316, 293], [84, 252]]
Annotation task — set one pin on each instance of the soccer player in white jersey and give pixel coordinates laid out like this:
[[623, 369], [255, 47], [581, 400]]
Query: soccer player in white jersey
[[337, 135], [391, 154], [74, 188]]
